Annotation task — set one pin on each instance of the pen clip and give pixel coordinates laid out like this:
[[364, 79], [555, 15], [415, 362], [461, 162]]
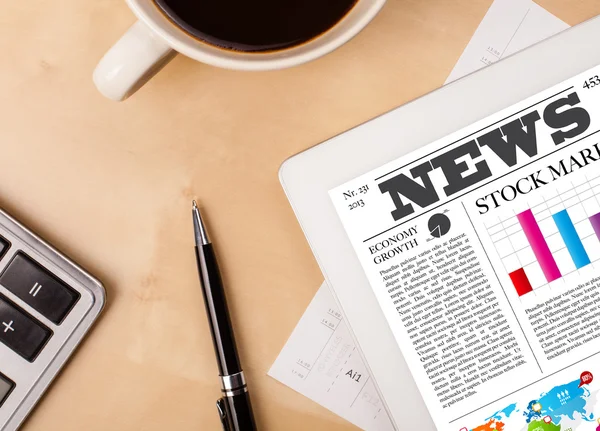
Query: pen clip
[[222, 409]]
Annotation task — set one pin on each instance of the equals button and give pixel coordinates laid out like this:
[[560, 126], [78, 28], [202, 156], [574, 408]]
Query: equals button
[[39, 288]]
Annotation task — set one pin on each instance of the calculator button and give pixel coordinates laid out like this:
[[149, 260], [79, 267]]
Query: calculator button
[[4, 246], [21, 332], [6, 386], [39, 288]]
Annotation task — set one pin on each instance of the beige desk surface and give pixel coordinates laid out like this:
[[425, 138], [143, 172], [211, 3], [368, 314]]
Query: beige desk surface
[[111, 184]]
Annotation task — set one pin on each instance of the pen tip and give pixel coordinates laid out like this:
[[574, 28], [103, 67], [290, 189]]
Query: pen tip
[[199, 229]]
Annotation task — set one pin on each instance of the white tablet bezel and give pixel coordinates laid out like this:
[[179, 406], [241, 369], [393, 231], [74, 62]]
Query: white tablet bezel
[[308, 177]]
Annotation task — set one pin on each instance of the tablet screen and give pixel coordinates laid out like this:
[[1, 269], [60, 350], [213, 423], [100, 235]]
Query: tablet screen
[[483, 250]]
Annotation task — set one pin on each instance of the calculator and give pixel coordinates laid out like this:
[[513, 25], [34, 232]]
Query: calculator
[[47, 305]]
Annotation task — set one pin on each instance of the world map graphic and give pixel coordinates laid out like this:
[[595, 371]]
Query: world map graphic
[[566, 407]]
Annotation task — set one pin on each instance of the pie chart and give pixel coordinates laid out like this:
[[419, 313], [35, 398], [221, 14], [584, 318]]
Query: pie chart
[[439, 225]]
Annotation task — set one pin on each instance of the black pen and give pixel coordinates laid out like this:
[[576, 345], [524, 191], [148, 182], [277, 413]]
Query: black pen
[[234, 406]]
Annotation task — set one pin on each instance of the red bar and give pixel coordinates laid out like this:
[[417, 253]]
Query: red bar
[[521, 282]]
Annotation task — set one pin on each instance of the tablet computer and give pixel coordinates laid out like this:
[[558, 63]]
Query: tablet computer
[[372, 171]]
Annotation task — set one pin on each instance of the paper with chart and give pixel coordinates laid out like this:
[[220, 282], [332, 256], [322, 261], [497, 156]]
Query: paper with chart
[[537, 25], [322, 362], [483, 251], [508, 27]]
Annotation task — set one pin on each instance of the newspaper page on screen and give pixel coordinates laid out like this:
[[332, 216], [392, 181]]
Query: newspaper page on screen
[[483, 250]]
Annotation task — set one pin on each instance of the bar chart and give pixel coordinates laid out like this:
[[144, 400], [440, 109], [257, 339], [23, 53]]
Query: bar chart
[[559, 234]]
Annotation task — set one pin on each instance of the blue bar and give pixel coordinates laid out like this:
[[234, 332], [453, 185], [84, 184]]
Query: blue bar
[[569, 235]]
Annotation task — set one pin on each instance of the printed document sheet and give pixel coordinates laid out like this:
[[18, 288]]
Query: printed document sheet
[[508, 27], [483, 250], [322, 362]]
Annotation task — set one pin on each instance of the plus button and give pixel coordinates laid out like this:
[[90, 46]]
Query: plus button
[[8, 326]]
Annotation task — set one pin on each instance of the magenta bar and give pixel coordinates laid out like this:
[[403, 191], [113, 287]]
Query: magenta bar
[[539, 245], [595, 220]]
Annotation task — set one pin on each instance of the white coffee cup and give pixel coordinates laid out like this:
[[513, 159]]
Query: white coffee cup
[[154, 40]]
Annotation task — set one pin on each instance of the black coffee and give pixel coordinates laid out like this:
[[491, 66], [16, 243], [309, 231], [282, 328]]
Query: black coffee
[[255, 25]]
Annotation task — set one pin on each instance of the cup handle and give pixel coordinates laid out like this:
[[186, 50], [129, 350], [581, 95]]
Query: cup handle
[[131, 62]]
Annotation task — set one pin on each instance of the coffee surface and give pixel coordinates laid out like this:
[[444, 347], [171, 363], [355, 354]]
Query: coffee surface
[[255, 25]]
